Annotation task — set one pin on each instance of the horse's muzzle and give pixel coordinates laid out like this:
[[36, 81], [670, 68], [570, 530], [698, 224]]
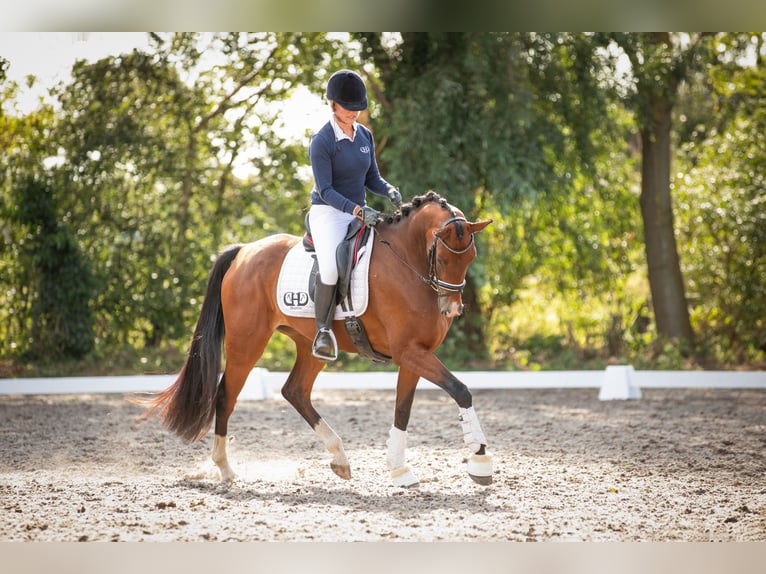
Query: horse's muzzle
[[451, 309]]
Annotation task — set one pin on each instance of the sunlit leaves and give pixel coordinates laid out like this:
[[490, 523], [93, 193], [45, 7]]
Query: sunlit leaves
[[157, 159], [722, 223], [145, 146]]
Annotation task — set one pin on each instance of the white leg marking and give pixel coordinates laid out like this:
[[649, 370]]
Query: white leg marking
[[334, 445], [221, 460], [401, 474]]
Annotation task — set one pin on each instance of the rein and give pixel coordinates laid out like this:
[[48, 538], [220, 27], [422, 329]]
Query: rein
[[442, 288]]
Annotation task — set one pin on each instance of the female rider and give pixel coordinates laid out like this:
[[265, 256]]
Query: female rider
[[342, 155]]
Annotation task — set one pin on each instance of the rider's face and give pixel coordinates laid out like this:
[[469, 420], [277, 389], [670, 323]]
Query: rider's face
[[344, 116]]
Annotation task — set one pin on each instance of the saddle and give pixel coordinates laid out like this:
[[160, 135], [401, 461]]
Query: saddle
[[346, 257]]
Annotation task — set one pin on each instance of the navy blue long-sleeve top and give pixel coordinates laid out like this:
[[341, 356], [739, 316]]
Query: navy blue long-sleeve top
[[343, 169]]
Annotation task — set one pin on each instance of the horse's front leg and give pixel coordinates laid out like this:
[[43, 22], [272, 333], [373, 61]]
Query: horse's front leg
[[401, 473], [479, 460], [426, 365]]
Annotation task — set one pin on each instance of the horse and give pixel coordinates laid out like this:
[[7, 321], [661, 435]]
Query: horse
[[416, 277]]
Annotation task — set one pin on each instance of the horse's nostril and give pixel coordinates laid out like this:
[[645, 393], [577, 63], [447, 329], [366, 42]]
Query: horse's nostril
[[452, 310]]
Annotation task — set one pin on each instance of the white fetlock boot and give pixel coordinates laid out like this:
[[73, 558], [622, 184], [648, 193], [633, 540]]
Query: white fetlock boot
[[401, 474]]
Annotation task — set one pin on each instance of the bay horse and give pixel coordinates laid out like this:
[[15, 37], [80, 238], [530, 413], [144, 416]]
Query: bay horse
[[415, 286]]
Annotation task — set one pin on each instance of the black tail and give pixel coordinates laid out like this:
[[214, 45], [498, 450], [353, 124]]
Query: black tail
[[187, 407]]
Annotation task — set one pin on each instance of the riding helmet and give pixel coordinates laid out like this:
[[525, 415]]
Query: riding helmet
[[347, 89]]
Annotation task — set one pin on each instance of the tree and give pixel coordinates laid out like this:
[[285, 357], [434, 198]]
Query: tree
[[659, 65], [122, 149], [57, 275], [431, 136], [512, 125], [158, 158], [721, 209], [47, 284], [150, 142]]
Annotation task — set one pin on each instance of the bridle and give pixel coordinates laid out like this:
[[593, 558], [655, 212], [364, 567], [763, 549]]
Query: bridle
[[442, 288]]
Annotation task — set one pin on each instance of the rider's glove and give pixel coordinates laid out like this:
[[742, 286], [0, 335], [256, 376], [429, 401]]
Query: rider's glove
[[368, 215], [395, 196]]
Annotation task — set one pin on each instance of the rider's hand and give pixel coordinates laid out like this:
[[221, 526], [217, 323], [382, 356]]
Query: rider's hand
[[367, 214], [395, 196]]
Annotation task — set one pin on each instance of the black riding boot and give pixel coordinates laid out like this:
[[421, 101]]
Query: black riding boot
[[325, 344]]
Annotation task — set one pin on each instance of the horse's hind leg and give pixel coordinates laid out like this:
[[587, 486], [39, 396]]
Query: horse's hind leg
[[238, 367], [297, 391]]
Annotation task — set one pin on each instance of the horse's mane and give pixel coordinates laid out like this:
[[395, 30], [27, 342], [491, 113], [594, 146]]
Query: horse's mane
[[416, 203]]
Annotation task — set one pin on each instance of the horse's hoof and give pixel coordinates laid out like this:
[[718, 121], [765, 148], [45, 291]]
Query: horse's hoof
[[342, 470], [228, 476], [228, 479], [404, 478], [483, 480], [480, 468]]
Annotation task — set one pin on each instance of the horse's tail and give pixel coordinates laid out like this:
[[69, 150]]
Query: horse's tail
[[187, 407]]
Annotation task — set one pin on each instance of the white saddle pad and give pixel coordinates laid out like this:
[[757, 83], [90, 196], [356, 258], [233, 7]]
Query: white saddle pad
[[293, 284]]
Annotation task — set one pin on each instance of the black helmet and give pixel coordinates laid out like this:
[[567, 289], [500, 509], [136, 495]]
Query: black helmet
[[347, 89]]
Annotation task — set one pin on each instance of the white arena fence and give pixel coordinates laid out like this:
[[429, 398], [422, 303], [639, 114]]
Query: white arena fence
[[615, 382]]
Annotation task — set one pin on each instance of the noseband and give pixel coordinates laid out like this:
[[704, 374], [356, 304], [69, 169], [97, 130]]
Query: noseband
[[442, 288]]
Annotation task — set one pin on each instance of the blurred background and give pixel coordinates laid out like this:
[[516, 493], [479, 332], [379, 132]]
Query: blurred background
[[625, 174]]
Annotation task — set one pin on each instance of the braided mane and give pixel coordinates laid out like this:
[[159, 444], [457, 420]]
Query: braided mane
[[416, 203]]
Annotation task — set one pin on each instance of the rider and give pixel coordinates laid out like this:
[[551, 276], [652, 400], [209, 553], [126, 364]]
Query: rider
[[342, 155]]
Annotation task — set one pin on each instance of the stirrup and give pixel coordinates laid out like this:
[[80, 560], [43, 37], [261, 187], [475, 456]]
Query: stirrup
[[333, 346]]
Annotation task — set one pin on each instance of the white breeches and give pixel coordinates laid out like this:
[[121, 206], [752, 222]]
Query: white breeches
[[328, 228]]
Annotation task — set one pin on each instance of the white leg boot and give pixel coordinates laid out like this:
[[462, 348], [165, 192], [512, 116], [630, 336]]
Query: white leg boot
[[401, 474]]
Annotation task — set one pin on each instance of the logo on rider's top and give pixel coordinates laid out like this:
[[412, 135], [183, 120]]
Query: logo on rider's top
[[296, 299], [365, 149]]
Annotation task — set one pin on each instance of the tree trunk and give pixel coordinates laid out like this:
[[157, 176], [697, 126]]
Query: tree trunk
[[666, 282], [472, 325]]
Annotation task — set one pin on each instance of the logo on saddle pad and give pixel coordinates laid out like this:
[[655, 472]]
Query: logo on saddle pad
[[296, 298]]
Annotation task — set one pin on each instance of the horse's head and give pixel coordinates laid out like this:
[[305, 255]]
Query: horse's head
[[451, 250], [446, 236]]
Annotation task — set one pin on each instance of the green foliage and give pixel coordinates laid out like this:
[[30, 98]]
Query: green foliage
[[461, 118], [150, 171], [524, 129], [29, 265], [114, 204], [124, 145], [58, 277], [722, 223]]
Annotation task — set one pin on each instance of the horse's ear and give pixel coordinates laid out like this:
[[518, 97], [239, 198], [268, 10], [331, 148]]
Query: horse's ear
[[477, 226]]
